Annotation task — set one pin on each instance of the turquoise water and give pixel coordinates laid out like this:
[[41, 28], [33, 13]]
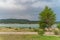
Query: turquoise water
[[20, 25]]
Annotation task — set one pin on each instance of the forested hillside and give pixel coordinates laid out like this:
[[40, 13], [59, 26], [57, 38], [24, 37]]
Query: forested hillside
[[21, 21]]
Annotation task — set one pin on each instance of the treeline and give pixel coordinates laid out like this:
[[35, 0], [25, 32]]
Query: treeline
[[20, 21]]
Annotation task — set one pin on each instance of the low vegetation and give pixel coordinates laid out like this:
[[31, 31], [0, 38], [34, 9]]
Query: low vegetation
[[58, 26], [41, 31], [10, 29], [28, 37]]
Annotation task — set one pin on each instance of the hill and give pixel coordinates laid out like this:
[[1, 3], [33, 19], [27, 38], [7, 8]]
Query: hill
[[20, 21]]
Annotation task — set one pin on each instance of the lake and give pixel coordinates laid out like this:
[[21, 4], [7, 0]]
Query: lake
[[20, 25]]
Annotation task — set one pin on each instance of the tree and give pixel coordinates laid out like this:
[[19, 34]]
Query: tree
[[47, 18]]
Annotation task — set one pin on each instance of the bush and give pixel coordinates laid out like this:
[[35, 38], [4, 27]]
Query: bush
[[41, 31], [56, 32], [9, 27], [35, 30], [16, 28], [58, 26], [29, 27]]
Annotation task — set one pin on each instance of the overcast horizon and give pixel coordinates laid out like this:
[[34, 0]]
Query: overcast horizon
[[27, 9]]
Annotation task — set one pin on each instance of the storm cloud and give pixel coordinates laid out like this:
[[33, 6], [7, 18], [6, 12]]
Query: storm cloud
[[26, 9]]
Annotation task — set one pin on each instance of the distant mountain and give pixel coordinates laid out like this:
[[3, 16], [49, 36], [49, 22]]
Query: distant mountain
[[21, 21]]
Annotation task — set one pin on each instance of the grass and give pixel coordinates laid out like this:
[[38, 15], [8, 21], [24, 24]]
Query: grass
[[27, 37], [8, 29]]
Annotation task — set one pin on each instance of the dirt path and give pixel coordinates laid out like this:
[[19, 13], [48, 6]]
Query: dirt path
[[19, 33]]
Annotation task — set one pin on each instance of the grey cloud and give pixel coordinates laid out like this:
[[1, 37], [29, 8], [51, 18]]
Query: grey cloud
[[30, 13]]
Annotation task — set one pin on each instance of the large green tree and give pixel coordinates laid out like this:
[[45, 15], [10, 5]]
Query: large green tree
[[47, 18]]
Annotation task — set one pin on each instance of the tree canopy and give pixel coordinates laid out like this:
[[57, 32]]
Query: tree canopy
[[47, 18]]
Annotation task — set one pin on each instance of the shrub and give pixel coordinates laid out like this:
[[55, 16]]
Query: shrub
[[41, 31], [9, 27], [35, 30], [56, 32], [29, 27], [58, 26], [16, 28]]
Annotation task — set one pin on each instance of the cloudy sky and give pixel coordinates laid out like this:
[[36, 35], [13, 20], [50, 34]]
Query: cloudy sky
[[27, 9]]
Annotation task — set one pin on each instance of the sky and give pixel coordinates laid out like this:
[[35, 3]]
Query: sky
[[27, 9]]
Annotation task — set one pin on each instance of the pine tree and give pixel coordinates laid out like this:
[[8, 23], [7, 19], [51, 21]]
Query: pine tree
[[47, 18]]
